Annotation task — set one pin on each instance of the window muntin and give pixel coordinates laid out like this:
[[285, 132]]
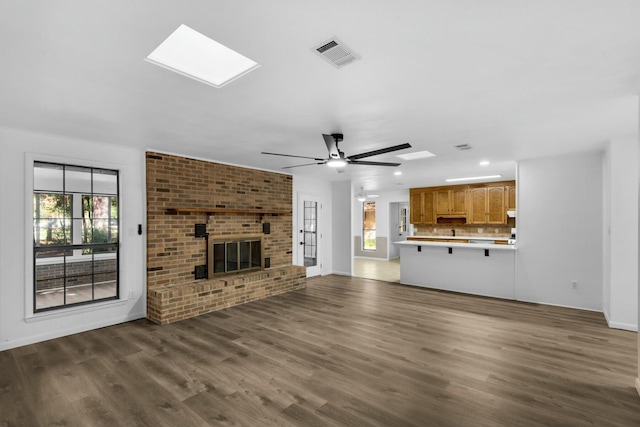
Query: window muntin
[[76, 229], [369, 226]]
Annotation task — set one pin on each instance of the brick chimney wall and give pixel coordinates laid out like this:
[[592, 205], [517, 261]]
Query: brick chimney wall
[[178, 182]]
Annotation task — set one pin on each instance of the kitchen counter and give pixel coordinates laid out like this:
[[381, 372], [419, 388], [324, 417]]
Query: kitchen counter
[[500, 240], [498, 246], [476, 268]]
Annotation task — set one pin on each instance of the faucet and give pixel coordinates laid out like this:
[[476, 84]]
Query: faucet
[[453, 232]]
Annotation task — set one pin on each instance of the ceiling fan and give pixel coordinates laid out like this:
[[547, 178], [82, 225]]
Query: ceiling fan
[[337, 158], [362, 196]]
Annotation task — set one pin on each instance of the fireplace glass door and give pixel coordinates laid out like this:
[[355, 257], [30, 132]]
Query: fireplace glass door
[[235, 255]]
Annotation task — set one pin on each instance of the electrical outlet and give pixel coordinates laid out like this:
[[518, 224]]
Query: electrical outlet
[[497, 230], [480, 230], [132, 294], [574, 284]]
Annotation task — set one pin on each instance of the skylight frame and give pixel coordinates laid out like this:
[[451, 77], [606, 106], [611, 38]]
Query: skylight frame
[[416, 155], [192, 54]]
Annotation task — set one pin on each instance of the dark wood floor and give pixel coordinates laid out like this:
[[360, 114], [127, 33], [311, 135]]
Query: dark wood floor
[[344, 351]]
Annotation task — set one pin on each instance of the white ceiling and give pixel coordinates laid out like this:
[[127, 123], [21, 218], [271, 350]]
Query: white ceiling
[[514, 79]]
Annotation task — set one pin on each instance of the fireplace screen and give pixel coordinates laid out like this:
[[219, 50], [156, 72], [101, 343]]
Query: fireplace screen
[[232, 255]]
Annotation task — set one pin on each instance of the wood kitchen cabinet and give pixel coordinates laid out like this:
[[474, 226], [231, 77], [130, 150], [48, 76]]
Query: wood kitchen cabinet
[[422, 207], [487, 206], [510, 197], [451, 202], [481, 203]]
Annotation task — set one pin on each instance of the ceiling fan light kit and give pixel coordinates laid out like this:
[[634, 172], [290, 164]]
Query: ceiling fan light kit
[[337, 158], [336, 163]]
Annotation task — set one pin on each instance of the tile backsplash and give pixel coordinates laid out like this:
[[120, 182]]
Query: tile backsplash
[[463, 230]]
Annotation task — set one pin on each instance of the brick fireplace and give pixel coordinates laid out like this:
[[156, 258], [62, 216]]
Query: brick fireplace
[[231, 202]]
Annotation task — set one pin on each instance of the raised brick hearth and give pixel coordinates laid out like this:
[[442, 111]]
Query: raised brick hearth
[[173, 251], [177, 302]]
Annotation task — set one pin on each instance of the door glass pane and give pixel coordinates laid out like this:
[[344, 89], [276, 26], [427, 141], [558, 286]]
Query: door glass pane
[[310, 234]]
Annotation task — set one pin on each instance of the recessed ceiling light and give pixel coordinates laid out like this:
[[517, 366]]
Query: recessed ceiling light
[[416, 155], [397, 173], [484, 163], [471, 178], [195, 55]]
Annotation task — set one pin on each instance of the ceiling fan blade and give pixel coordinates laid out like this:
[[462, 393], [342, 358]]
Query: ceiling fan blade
[[291, 155], [306, 164], [357, 162], [332, 146], [380, 151]]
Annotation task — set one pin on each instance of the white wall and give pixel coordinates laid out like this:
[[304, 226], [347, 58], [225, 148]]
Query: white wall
[[341, 231], [323, 191], [620, 234], [560, 230], [18, 326], [382, 213]]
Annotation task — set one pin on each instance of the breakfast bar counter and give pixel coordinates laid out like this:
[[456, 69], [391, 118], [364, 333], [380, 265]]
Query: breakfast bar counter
[[476, 268]]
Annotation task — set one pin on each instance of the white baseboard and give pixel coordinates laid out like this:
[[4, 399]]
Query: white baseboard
[[619, 325], [70, 331], [341, 273]]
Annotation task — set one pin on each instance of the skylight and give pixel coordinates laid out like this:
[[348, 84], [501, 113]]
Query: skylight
[[416, 155], [195, 55]]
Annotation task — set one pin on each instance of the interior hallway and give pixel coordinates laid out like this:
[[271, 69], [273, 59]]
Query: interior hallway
[[379, 269]]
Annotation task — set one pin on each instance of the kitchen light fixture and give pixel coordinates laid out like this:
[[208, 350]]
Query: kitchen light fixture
[[397, 173], [416, 155], [196, 56], [484, 163], [471, 178]]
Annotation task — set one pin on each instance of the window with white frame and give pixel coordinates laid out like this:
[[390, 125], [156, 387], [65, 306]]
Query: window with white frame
[[75, 235]]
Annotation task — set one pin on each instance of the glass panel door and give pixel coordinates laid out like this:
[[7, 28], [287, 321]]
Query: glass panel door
[[309, 237], [310, 242]]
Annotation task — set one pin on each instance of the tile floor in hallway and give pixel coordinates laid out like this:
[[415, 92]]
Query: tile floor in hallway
[[379, 269]]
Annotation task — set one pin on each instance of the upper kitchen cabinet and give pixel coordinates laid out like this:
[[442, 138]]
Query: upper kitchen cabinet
[[422, 208], [482, 203], [487, 205], [451, 202], [510, 197]]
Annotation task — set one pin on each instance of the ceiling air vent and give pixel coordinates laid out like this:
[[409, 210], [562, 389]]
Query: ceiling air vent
[[336, 53], [462, 147]]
